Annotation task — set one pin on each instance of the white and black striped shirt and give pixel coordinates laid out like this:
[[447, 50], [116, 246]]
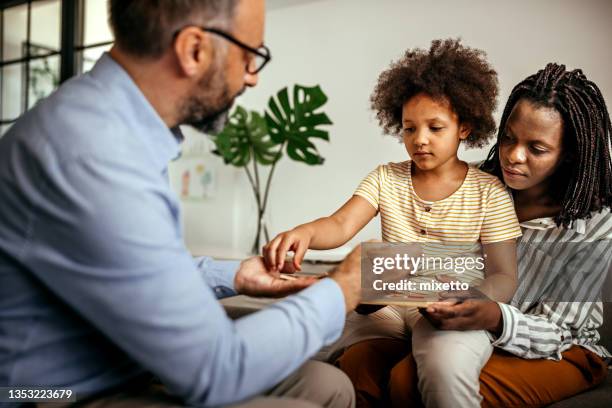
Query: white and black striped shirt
[[559, 271]]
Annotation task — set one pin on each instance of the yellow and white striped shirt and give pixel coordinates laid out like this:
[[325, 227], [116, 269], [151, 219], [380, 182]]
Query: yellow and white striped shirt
[[481, 210]]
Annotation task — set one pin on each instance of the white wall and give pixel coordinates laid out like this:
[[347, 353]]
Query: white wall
[[343, 45]]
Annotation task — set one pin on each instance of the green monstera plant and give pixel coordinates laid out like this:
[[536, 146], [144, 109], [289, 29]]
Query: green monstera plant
[[289, 125]]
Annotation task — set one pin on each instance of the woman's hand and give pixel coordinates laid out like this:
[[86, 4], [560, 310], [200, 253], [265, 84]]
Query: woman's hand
[[470, 314], [296, 240]]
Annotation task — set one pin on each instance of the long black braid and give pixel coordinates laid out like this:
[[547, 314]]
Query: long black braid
[[584, 184]]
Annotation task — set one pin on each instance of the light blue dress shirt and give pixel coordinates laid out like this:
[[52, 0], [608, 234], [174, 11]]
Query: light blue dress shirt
[[96, 285]]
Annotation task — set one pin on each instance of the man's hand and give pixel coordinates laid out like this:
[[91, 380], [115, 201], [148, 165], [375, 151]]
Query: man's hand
[[254, 279], [348, 277], [470, 314]]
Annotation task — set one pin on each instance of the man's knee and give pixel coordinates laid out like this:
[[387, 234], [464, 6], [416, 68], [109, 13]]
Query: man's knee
[[333, 387], [275, 402], [323, 384]]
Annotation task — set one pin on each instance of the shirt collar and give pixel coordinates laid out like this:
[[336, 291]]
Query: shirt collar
[[545, 223], [548, 222], [539, 223], [162, 142]]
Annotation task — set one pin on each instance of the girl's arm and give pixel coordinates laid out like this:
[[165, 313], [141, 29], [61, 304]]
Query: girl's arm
[[323, 233], [501, 271], [499, 285], [498, 234]]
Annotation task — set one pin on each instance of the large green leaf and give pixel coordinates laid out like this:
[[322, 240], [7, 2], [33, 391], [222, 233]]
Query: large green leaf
[[245, 136], [296, 124]]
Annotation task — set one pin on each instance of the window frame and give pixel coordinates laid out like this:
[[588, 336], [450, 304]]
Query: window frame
[[72, 21]]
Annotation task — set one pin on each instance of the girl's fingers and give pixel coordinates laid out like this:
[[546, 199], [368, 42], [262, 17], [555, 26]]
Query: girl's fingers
[[288, 267], [281, 252], [300, 251], [271, 252]]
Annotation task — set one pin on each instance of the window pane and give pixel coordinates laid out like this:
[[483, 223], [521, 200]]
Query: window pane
[[15, 27], [90, 56], [12, 89], [95, 27], [46, 20], [44, 78]]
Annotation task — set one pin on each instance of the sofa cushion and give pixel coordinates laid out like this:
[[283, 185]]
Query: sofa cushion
[[598, 397]]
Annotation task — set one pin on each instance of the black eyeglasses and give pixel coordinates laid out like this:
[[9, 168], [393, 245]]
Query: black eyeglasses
[[261, 55]]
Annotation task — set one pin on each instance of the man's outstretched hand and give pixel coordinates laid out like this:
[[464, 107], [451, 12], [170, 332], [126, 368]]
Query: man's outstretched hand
[[348, 276], [254, 279]]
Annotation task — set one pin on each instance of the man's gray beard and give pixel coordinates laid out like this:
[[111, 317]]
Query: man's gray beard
[[212, 125], [207, 110]]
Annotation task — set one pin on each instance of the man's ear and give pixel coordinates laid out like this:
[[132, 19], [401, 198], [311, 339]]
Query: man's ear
[[194, 51], [465, 129]]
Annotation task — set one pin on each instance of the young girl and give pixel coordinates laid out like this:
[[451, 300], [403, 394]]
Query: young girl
[[434, 99]]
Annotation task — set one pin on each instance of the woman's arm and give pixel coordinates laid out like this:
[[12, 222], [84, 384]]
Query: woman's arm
[[528, 336], [567, 315], [534, 336], [323, 233], [544, 329]]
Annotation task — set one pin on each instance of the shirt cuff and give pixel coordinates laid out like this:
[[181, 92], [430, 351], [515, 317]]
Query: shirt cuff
[[507, 326], [328, 301], [219, 275]]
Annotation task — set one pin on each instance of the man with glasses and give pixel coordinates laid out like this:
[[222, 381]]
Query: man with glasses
[[98, 293]]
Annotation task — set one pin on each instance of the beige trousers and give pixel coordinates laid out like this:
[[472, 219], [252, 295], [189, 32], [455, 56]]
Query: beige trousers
[[449, 362], [315, 384]]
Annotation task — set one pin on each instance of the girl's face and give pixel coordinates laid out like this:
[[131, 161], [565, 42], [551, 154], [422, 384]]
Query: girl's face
[[431, 131], [531, 146]]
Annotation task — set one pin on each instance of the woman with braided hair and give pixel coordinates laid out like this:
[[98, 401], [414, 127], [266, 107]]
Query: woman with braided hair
[[582, 182], [553, 152]]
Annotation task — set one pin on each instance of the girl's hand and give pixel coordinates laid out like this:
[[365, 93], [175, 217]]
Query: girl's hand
[[296, 240]]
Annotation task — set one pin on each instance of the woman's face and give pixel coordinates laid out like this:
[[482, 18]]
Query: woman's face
[[531, 147]]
